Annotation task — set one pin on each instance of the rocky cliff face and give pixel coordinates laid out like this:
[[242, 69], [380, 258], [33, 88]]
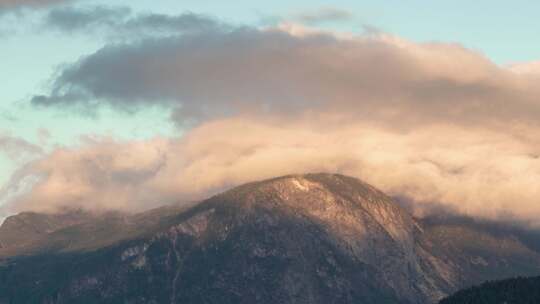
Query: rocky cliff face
[[317, 238]]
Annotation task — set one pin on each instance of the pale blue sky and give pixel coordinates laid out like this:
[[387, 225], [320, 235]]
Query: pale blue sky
[[505, 31]]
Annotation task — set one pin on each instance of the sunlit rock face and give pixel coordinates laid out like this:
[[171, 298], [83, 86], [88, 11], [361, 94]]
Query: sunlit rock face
[[317, 238]]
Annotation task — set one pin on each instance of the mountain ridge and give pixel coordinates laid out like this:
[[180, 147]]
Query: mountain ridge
[[314, 238]]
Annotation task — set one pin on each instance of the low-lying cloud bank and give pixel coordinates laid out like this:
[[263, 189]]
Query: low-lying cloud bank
[[472, 171], [433, 122]]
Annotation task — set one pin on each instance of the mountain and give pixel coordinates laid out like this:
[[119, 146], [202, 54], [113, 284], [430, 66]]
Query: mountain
[[316, 238], [27, 227], [510, 291]]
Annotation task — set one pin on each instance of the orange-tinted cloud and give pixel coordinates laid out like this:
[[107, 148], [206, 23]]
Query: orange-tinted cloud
[[473, 171]]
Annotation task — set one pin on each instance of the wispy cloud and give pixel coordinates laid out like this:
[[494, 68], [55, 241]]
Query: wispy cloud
[[17, 148], [323, 15], [14, 4], [76, 19], [123, 24]]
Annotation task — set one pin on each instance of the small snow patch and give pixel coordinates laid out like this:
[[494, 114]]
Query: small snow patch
[[300, 186]]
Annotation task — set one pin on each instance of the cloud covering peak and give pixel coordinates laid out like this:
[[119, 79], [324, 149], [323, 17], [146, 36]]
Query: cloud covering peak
[[476, 172], [434, 122]]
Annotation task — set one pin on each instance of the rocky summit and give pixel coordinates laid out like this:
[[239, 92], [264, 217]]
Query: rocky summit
[[316, 238]]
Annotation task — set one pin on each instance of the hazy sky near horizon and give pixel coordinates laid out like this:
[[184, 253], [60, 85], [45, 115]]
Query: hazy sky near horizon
[[132, 104]]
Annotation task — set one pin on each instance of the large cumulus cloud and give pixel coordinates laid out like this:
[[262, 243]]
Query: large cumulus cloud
[[292, 70]]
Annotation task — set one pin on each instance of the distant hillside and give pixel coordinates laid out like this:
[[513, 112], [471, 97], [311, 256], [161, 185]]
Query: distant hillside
[[512, 291]]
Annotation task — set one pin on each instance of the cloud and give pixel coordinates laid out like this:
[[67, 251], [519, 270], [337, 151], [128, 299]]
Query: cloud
[[434, 122], [526, 68], [121, 23], [75, 19], [17, 148], [293, 69], [14, 4], [475, 172], [108, 171], [323, 15]]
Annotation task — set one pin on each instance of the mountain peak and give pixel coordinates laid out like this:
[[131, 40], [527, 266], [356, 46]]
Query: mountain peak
[[352, 215], [310, 238], [322, 195], [287, 187]]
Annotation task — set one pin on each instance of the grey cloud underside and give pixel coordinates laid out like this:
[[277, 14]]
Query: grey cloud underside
[[222, 71]]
